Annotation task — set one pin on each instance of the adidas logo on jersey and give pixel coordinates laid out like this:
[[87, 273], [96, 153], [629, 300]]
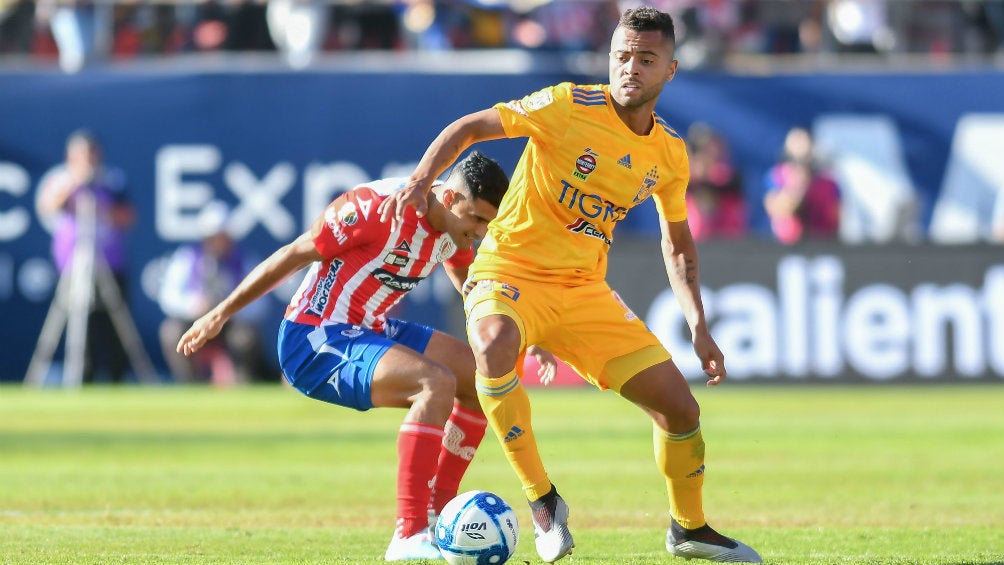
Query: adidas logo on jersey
[[514, 433], [625, 161]]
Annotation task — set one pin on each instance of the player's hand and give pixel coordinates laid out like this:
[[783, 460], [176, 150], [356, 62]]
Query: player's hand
[[548, 364], [203, 330], [392, 208], [712, 358]]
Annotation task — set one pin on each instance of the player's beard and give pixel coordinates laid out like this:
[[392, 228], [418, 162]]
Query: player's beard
[[643, 97]]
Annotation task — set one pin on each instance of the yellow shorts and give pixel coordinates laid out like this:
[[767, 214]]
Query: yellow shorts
[[588, 327]]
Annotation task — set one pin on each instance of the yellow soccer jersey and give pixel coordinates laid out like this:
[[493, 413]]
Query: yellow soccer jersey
[[580, 173]]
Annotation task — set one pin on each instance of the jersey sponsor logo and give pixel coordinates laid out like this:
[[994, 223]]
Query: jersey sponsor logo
[[647, 185], [625, 161], [396, 282], [322, 291], [333, 224], [348, 215], [537, 100], [396, 260], [591, 206], [585, 164], [585, 228]]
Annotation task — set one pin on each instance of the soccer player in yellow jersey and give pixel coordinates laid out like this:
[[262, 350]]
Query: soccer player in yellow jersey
[[594, 152]]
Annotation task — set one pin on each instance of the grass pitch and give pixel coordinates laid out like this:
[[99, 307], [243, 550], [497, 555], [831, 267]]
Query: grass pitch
[[807, 475]]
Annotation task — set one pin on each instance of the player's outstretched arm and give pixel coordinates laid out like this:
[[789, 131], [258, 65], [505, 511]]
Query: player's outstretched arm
[[268, 274], [680, 255], [444, 150]]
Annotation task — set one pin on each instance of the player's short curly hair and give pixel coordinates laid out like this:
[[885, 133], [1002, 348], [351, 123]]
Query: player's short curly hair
[[483, 176], [647, 18]]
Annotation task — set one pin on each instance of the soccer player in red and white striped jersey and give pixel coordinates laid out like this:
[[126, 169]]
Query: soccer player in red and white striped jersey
[[337, 345]]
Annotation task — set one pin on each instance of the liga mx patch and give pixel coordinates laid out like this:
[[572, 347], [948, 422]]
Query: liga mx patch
[[538, 100]]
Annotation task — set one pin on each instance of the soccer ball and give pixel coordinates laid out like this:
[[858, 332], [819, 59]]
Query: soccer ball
[[477, 528]]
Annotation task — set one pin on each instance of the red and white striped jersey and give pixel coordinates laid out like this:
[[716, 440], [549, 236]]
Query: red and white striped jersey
[[367, 267]]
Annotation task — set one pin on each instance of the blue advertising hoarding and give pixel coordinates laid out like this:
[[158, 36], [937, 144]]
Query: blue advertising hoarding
[[277, 146]]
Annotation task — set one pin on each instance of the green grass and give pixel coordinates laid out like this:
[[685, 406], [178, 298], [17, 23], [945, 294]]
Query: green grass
[[807, 475]]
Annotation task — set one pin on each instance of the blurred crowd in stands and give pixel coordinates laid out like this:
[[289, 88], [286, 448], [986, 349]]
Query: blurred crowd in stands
[[709, 31], [809, 193]]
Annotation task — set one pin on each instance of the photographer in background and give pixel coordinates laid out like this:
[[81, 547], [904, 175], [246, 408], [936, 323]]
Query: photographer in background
[[82, 175]]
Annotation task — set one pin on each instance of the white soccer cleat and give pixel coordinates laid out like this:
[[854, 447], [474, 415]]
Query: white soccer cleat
[[433, 524], [550, 527], [706, 543], [419, 546]]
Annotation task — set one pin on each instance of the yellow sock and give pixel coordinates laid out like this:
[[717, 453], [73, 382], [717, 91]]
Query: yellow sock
[[681, 459], [507, 408]]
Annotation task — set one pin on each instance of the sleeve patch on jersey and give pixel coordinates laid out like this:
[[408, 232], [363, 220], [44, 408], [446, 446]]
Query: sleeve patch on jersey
[[516, 106], [334, 224], [348, 215], [538, 100]]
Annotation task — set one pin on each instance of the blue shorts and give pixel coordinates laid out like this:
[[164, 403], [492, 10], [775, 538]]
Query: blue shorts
[[335, 362]]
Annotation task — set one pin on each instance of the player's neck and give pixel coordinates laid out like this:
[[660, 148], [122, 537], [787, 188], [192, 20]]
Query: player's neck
[[435, 213], [639, 120]]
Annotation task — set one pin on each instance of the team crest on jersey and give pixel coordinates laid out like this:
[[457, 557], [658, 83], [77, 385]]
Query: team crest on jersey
[[585, 164], [647, 185], [588, 229], [446, 250]]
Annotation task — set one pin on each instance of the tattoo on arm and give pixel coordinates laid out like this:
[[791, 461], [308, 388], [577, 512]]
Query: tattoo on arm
[[687, 271]]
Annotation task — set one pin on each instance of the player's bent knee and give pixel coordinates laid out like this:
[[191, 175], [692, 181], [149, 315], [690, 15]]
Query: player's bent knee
[[682, 417], [496, 343], [439, 387]]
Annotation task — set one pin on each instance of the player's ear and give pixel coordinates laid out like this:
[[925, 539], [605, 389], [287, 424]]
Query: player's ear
[[451, 197], [672, 70]]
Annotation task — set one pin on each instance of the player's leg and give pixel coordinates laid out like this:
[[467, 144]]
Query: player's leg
[[466, 425], [404, 378], [497, 332], [612, 348], [663, 393], [361, 369], [496, 328]]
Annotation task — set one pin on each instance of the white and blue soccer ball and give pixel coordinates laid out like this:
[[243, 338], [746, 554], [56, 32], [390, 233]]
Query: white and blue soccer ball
[[477, 528]]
